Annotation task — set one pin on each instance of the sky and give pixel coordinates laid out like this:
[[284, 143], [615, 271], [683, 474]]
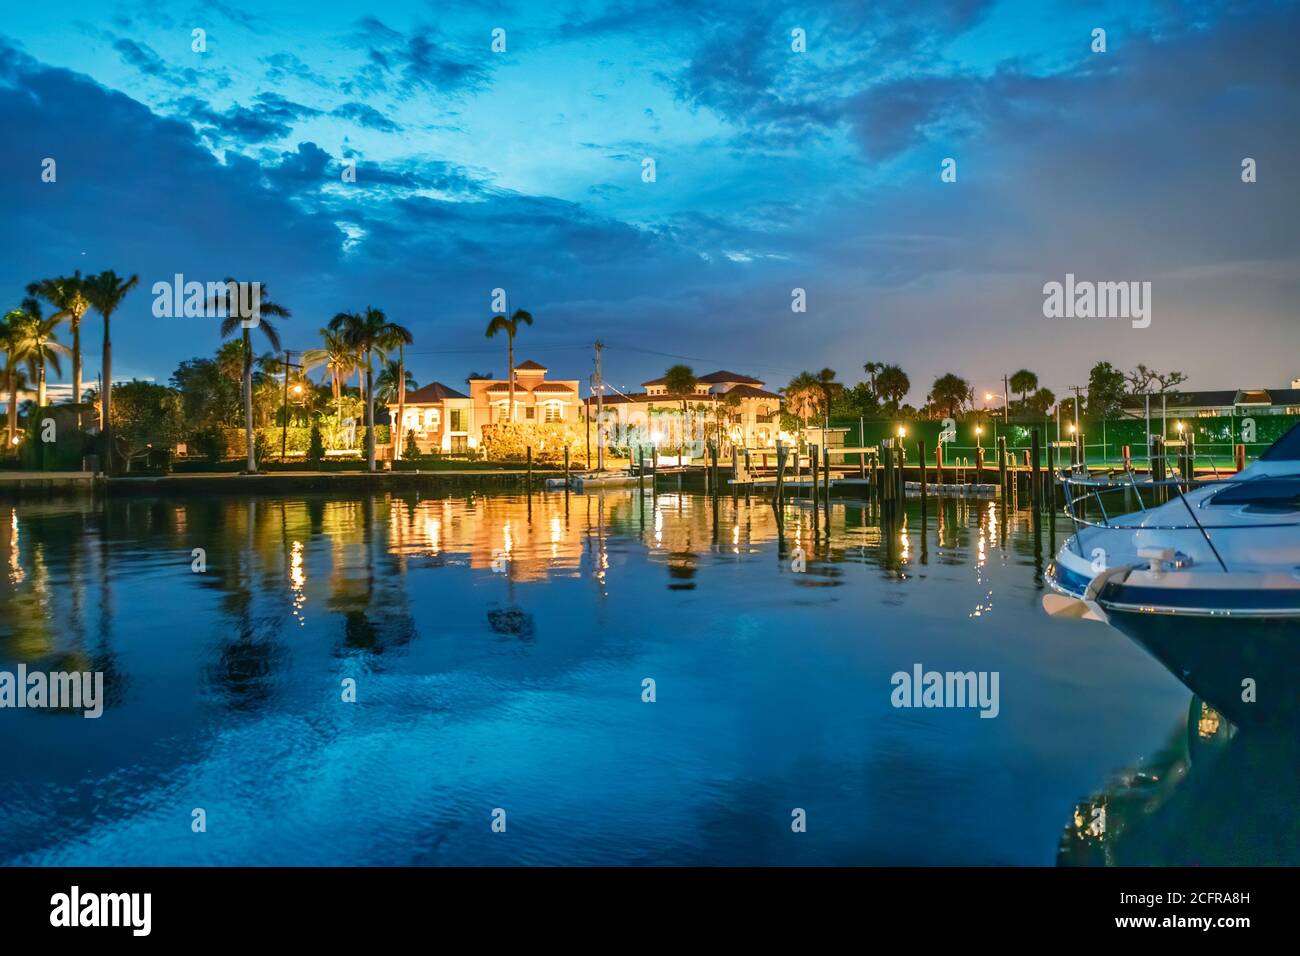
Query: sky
[[775, 169]]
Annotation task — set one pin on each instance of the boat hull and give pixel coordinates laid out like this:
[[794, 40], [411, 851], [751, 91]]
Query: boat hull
[[1218, 658]]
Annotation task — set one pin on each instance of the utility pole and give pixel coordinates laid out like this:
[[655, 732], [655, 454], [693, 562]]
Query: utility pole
[[284, 429], [600, 411]]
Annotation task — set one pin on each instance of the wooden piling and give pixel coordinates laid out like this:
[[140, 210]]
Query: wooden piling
[[920, 457], [530, 470], [1035, 489]]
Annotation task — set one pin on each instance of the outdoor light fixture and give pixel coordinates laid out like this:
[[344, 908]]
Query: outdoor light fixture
[[901, 431], [979, 430], [1071, 428]]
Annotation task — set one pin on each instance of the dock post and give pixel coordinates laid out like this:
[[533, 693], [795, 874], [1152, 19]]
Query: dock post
[[779, 493], [1002, 467], [654, 471], [979, 465], [529, 479], [812, 465], [713, 456], [735, 473], [640, 470], [826, 486], [920, 453], [566, 469], [1239, 456], [1035, 489], [938, 463]]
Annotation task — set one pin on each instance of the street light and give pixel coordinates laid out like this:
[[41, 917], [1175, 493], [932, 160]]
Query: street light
[[979, 430]]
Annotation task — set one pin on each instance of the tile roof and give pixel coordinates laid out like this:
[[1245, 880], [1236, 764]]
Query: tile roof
[[530, 366], [433, 392]]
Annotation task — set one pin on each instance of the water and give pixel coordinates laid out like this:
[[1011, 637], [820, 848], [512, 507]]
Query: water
[[499, 647]]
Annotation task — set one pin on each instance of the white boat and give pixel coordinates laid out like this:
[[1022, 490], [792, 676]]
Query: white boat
[[581, 483], [1208, 580]]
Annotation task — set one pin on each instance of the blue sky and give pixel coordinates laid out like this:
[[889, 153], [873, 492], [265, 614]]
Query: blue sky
[[775, 170]]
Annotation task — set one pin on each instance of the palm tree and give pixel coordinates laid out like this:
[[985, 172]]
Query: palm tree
[[370, 334], [68, 295], [802, 395], [949, 393], [680, 380], [873, 369], [15, 339], [43, 347], [1023, 382], [388, 382], [510, 327], [828, 388], [105, 292], [339, 360], [229, 301], [892, 384]]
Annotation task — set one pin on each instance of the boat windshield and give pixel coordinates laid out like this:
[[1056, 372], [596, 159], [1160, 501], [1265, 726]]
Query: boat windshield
[[1286, 448]]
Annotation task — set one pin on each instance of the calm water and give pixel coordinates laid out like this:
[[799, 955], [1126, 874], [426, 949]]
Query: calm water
[[499, 648]]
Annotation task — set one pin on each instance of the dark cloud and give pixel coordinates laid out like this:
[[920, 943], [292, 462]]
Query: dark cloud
[[147, 61], [367, 116], [271, 116], [404, 64]]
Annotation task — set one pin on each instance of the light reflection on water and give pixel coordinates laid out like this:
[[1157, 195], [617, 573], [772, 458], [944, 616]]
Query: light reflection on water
[[499, 644]]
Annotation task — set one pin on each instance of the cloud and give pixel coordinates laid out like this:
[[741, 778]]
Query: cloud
[[408, 64], [147, 61], [367, 116], [271, 116]]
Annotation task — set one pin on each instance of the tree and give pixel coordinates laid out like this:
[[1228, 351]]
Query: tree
[[388, 382], [510, 327], [1105, 391], [412, 449], [146, 417], [1041, 402], [802, 396], [1142, 379], [105, 292], [68, 295], [316, 446], [950, 393], [680, 380], [892, 384], [229, 301], [15, 339], [338, 359], [1023, 382], [42, 347], [370, 333], [873, 369], [208, 395], [827, 388]]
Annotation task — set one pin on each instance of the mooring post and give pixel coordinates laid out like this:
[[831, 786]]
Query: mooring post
[[920, 457], [1035, 490], [566, 469], [812, 466], [826, 484], [780, 479], [529, 479], [938, 463], [1002, 466], [713, 456]]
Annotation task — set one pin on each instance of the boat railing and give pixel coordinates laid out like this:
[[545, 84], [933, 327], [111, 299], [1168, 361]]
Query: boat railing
[[1082, 493]]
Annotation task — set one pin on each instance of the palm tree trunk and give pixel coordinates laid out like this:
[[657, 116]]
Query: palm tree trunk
[[248, 402], [106, 399], [681, 443], [40, 379], [76, 360], [401, 401], [11, 380], [370, 416], [510, 374]]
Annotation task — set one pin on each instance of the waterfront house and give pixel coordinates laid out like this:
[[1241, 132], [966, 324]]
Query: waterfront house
[[1227, 402], [740, 406], [537, 398], [442, 419]]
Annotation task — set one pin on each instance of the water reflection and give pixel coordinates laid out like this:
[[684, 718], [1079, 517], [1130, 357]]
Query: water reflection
[[1212, 796], [498, 644]]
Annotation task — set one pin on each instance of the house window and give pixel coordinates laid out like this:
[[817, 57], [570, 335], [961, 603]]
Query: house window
[[431, 418], [459, 444], [458, 422], [554, 412], [530, 413]]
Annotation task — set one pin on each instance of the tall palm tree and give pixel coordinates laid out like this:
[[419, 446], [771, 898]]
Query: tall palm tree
[[873, 369], [15, 339], [803, 395], [370, 334], [339, 361], [892, 384], [68, 295], [828, 388], [105, 292], [680, 380], [510, 327], [228, 299], [1024, 382], [388, 382], [44, 349]]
